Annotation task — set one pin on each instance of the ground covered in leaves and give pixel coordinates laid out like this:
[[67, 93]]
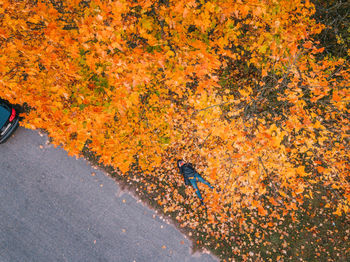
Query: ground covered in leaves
[[312, 233]]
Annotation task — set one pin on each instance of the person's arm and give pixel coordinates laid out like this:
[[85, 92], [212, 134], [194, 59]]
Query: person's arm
[[184, 177], [187, 181]]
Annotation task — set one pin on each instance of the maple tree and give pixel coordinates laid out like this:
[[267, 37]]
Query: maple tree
[[242, 88]]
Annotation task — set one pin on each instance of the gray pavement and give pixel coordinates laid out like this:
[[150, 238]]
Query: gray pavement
[[57, 208]]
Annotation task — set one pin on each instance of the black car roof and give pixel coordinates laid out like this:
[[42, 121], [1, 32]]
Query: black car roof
[[4, 115]]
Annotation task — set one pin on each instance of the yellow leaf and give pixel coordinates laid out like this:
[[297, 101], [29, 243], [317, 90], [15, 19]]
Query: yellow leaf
[[299, 190], [338, 212], [282, 193], [170, 53], [34, 19]]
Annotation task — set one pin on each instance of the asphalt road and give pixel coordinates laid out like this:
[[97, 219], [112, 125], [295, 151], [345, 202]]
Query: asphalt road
[[57, 208]]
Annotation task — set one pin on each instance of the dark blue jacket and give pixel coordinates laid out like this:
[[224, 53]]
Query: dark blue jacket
[[188, 172]]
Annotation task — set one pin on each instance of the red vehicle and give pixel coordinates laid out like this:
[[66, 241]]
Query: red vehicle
[[9, 120]]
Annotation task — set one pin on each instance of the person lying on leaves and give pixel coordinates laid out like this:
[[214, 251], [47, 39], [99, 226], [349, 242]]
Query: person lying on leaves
[[191, 177]]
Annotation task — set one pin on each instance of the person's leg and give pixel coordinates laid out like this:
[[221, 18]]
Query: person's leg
[[202, 180], [194, 184]]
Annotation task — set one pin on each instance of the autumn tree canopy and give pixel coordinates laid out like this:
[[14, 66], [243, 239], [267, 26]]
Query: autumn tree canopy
[[244, 89]]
